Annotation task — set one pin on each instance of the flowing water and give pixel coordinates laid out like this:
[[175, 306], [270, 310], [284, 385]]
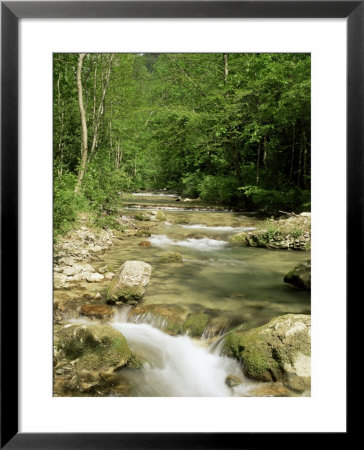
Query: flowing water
[[234, 285]]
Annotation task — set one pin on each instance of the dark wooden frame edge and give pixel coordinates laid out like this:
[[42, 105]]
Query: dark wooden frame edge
[[11, 12]]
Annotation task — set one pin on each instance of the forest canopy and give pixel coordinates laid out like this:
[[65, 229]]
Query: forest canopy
[[225, 128]]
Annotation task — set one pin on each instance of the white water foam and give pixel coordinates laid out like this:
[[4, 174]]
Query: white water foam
[[177, 365], [152, 194], [204, 244], [205, 227]]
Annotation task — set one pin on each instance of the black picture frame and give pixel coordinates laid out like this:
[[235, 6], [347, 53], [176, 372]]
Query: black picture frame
[[11, 12]]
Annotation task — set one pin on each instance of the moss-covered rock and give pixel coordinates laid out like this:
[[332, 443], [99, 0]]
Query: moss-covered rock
[[128, 285], [285, 233], [142, 217], [300, 276], [277, 351], [171, 257], [84, 353], [166, 317], [195, 324], [104, 312]]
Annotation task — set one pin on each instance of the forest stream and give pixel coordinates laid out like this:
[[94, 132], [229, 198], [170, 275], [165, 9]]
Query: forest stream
[[233, 285]]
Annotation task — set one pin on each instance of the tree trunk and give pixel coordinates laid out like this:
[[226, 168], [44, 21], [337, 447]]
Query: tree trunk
[[84, 148], [299, 164], [226, 67], [292, 154], [265, 153], [304, 160], [258, 162]]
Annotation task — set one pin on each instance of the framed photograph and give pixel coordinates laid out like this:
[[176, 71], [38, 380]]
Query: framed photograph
[[160, 163]]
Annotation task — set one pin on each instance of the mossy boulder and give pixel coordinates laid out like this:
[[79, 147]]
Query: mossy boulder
[[239, 239], [285, 233], [142, 217], [195, 324], [171, 257], [300, 276], [128, 285], [166, 317], [83, 354], [277, 351]]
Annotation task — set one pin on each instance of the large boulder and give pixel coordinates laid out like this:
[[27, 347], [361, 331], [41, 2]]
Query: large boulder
[[128, 285], [88, 359], [300, 276], [277, 351]]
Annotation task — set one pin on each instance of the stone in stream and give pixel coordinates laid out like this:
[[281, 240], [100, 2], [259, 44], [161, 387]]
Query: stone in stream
[[166, 317], [95, 277], [195, 324], [128, 285], [144, 244], [277, 351], [171, 257], [233, 380], [300, 276], [97, 311], [83, 354]]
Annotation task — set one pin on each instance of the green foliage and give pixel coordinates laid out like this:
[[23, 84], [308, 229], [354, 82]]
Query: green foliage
[[181, 122], [272, 201], [218, 189], [65, 203]]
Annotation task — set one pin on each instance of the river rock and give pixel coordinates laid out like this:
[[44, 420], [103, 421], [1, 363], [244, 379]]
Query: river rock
[[195, 324], [128, 285], [271, 390], [171, 257], [233, 380], [300, 276], [166, 317], [95, 277], [84, 353], [97, 311], [60, 281], [109, 275], [144, 243], [277, 351]]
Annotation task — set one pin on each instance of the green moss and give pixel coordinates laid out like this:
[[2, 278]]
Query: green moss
[[142, 217], [171, 257], [195, 324], [130, 295], [239, 239], [94, 347], [266, 350]]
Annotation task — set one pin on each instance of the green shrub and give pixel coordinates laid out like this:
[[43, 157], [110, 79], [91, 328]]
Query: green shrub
[[66, 204]]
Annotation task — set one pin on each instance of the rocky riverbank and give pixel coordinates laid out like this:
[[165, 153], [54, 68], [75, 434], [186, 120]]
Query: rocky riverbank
[[293, 232]]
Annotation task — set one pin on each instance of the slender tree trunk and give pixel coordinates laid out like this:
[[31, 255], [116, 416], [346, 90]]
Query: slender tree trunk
[[61, 120], [299, 164], [258, 162], [304, 160], [226, 67], [84, 148], [100, 110], [292, 154], [265, 153]]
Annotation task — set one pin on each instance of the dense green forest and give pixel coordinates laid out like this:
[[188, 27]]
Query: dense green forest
[[225, 128]]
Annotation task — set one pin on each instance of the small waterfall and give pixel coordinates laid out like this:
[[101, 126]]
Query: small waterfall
[[177, 365]]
